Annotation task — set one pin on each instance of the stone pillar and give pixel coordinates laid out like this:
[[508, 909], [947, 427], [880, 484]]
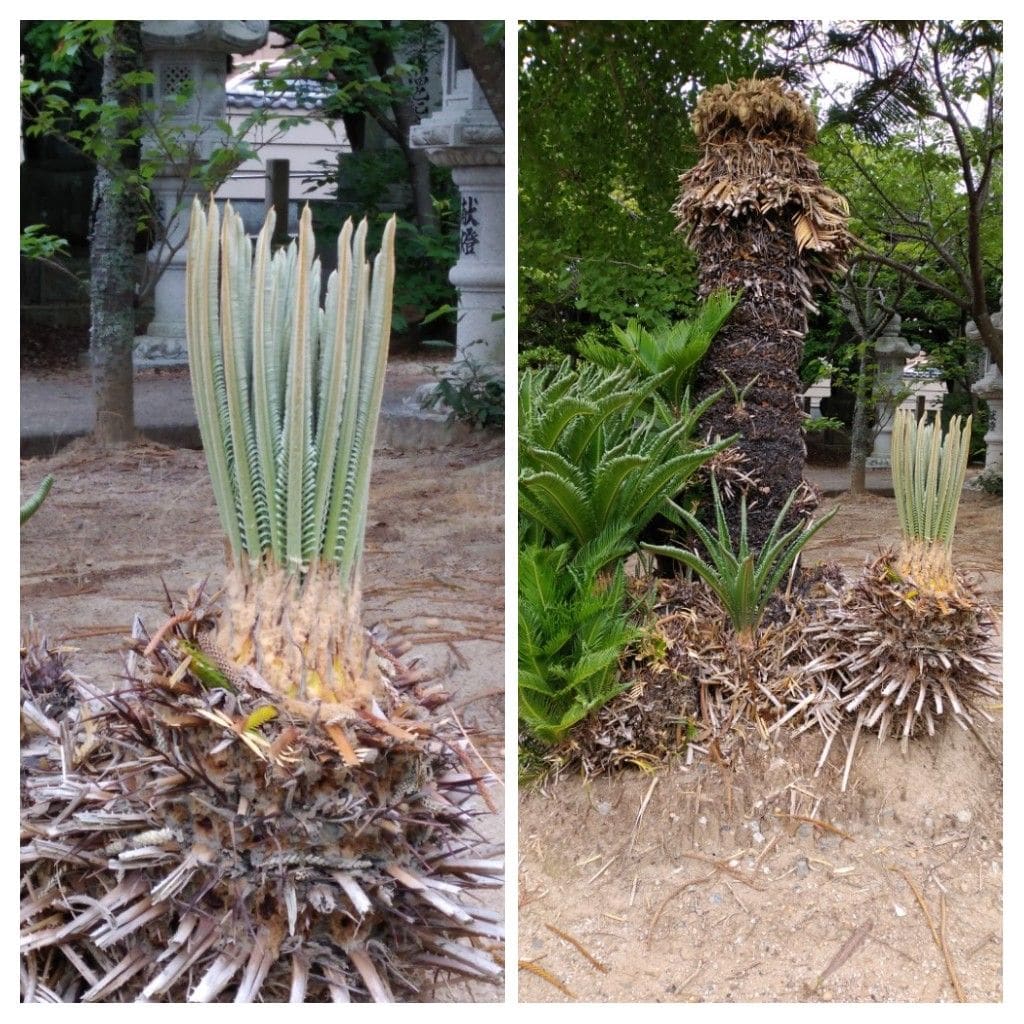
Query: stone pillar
[[891, 353], [990, 387], [465, 136], [185, 54]]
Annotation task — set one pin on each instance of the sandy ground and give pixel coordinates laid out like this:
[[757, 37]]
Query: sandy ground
[[117, 524], [696, 885]]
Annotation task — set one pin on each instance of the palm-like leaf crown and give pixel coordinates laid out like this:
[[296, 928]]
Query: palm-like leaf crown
[[676, 350], [572, 633], [600, 455], [743, 582], [287, 393]]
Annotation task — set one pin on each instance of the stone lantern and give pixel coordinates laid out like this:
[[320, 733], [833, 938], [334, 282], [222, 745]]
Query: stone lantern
[[891, 353], [990, 387], [183, 54], [465, 136]]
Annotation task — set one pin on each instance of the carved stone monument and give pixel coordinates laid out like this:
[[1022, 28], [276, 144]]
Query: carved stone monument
[[465, 136], [185, 55], [891, 352]]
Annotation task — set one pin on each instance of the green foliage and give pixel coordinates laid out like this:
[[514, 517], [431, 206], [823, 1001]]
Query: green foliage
[[991, 482], [287, 395], [743, 582], [604, 131], [677, 349], [36, 244], [573, 630], [596, 462], [31, 507], [540, 356], [154, 135], [473, 395]]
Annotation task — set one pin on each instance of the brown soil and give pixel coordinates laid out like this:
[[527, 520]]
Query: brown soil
[[708, 884], [116, 524]]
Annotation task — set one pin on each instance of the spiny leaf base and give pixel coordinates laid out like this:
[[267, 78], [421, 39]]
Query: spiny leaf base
[[183, 843]]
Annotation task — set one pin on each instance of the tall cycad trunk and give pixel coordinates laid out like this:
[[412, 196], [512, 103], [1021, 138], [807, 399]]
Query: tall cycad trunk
[[761, 222], [112, 250]]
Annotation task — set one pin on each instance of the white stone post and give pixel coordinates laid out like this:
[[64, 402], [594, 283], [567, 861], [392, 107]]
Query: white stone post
[[990, 387], [185, 54], [891, 352], [465, 136]]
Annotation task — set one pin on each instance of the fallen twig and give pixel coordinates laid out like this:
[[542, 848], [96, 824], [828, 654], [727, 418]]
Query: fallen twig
[[848, 948], [579, 947], [542, 972]]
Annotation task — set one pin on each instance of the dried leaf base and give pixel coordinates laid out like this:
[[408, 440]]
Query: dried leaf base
[[181, 843]]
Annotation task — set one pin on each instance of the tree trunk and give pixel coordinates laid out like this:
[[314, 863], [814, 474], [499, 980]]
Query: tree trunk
[[755, 357], [860, 431], [112, 252], [762, 223]]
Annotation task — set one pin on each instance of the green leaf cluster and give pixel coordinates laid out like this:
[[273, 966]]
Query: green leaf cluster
[[573, 629], [743, 581], [600, 456], [675, 350]]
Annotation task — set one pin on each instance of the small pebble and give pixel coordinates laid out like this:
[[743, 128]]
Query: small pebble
[[603, 807], [803, 869], [805, 831], [963, 816], [900, 911], [828, 842], [716, 898]]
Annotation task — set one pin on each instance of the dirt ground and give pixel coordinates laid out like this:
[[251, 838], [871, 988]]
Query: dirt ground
[[114, 525], [707, 885]]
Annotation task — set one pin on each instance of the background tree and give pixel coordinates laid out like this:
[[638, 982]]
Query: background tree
[[129, 140], [604, 127], [941, 81]]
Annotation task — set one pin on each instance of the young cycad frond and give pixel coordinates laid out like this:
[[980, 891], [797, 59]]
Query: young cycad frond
[[928, 471], [744, 581], [287, 396]]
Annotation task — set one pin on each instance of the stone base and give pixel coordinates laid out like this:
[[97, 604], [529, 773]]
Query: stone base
[[154, 350]]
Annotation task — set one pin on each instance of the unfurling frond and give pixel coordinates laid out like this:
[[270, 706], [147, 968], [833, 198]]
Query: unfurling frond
[[287, 393]]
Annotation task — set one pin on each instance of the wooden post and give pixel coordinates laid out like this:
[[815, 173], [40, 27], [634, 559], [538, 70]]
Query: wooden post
[[277, 197]]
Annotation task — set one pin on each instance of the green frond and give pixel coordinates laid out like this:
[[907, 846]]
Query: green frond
[[288, 393]]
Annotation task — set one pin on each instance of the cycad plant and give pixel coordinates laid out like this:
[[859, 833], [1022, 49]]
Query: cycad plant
[[675, 351], [599, 456], [910, 641], [572, 633], [268, 813], [744, 580]]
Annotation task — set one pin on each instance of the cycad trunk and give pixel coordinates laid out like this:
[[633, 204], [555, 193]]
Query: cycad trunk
[[760, 221], [112, 250]]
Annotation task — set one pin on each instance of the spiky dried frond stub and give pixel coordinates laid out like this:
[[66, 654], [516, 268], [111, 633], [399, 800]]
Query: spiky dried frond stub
[[763, 223], [904, 658], [186, 842]]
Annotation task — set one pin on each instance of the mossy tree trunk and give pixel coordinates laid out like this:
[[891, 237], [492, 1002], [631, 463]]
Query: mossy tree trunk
[[116, 209], [761, 222]]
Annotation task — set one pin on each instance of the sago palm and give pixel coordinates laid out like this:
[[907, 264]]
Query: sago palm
[[268, 812]]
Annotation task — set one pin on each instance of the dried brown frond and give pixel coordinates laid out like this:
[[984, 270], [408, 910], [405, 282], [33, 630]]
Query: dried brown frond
[[754, 107], [186, 842], [905, 657]]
